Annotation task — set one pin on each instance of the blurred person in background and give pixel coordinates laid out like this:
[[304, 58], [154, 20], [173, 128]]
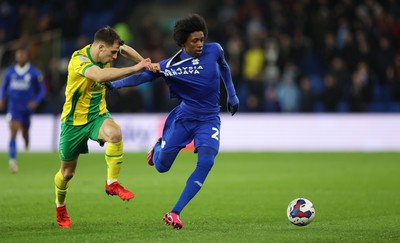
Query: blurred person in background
[[23, 89], [85, 115], [193, 76], [287, 90], [306, 96], [331, 94], [361, 89], [253, 65], [393, 75], [271, 102]]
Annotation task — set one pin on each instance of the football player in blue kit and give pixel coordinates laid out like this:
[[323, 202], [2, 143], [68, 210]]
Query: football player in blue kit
[[193, 76], [24, 88]]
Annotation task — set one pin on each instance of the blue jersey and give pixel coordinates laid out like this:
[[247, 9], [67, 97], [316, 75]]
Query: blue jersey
[[22, 85], [195, 81]]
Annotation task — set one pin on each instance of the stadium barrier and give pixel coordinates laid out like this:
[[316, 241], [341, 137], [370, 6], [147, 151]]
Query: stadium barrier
[[243, 132]]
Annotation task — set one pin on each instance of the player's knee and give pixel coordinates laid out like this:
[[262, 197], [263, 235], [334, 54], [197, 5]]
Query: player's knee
[[164, 161], [162, 166], [115, 135], [206, 157], [68, 174], [110, 132], [162, 169]]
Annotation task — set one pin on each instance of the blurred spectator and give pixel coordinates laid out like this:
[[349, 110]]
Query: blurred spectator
[[306, 96], [331, 94], [28, 20], [270, 74], [253, 64], [328, 51], [271, 102], [349, 51], [393, 74], [8, 21], [384, 57], [287, 90], [340, 73], [361, 89]]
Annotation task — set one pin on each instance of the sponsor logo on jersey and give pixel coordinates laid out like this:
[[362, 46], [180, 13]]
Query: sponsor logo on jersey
[[21, 84], [174, 71], [96, 87]]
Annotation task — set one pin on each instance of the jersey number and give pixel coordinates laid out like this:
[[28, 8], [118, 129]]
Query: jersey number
[[215, 135]]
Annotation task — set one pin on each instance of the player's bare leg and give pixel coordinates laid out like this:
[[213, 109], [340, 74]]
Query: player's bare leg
[[25, 135], [15, 126]]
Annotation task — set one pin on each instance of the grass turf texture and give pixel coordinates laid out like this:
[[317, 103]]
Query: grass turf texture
[[244, 199]]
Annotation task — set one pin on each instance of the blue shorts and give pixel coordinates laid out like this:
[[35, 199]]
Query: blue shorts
[[179, 132], [23, 116]]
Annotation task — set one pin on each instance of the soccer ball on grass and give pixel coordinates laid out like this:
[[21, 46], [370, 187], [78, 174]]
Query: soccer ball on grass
[[300, 211]]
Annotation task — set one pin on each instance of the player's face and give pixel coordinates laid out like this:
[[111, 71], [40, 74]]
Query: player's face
[[194, 44], [109, 53], [21, 57]]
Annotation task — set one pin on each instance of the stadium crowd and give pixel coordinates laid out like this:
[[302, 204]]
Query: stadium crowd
[[285, 55]]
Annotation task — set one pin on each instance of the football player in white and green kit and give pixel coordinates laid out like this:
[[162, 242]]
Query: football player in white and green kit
[[85, 115]]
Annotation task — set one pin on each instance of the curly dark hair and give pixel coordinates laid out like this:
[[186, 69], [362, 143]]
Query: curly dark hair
[[187, 25], [107, 35]]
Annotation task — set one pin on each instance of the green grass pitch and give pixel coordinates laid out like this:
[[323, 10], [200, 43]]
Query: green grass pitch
[[244, 199]]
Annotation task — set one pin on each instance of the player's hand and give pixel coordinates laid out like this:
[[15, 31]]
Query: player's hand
[[233, 104], [156, 67], [32, 105], [144, 64], [147, 64]]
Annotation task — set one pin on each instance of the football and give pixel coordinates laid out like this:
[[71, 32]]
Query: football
[[300, 212]]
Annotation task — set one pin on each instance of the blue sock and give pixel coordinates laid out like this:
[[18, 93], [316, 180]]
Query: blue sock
[[12, 149], [195, 181]]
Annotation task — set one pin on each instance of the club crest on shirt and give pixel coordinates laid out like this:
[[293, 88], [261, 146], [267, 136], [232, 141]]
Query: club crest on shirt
[[195, 61], [83, 58]]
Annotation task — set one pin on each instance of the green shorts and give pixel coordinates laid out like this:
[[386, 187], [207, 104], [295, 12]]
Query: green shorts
[[73, 139]]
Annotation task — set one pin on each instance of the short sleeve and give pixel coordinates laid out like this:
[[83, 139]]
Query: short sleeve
[[80, 64]]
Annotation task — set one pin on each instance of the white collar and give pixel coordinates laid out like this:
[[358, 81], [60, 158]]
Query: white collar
[[21, 70], [184, 60]]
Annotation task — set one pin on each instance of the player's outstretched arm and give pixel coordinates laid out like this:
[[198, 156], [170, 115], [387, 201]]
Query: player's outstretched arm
[[132, 80], [107, 74]]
